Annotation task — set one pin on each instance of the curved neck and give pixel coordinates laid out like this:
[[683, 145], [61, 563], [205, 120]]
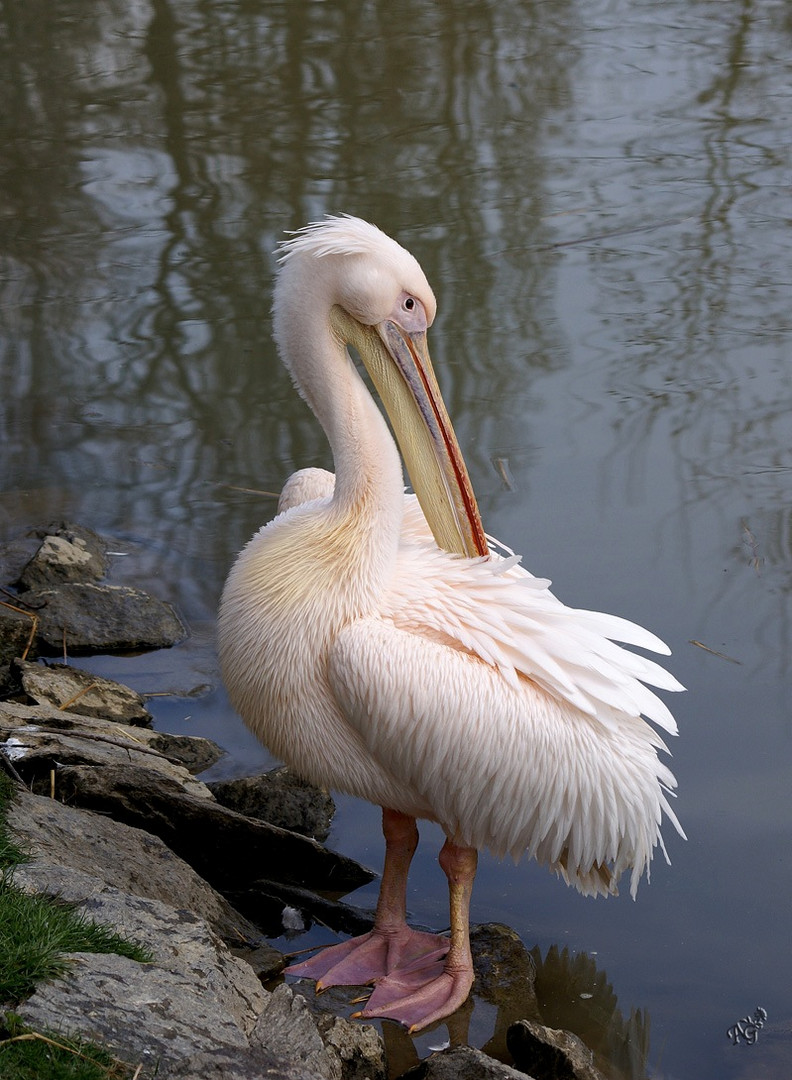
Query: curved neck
[[369, 489]]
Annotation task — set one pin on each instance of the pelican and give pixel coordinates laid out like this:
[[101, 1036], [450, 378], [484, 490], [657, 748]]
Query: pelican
[[381, 646]]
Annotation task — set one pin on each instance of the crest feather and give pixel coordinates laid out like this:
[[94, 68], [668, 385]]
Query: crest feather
[[339, 234]]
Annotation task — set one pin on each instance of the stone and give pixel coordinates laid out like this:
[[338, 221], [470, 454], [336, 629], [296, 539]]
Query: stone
[[550, 1054], [87, 617], [40, 740], [17, 631], [462, 1063], [287, 1029], [225, 1063], [282, 799], [358, 1048], [226, 848], [66, 553], [82, 692], [15, 554], [143, 1013], [192, 751], [269, 902], [129, 860]]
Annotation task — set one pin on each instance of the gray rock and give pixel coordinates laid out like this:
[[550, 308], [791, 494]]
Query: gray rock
[[82, 692], [225, 1063], [143, 1013], [191, 751], [463, 1063], [282, 799], [550, 1054], [89, 617], [226, 848], [40, 739], [287, 1029], [129, 860], [358, 1047], [66, 553]]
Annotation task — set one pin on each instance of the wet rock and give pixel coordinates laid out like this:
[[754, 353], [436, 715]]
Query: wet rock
[[462, 1063], [505, 974], [81, 692], [15, 554], [550, 1054], [505, 971], [282, 799], [89, 617], [66, 553], [277, 907], [40, 740], [226, 848]]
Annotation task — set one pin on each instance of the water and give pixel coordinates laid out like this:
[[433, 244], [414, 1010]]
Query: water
[[599, 193]]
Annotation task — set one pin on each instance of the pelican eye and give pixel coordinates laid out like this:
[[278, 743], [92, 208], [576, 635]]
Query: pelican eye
[[409, 304]]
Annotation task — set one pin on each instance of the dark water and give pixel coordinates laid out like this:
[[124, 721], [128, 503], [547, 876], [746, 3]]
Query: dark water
[[600, 194]]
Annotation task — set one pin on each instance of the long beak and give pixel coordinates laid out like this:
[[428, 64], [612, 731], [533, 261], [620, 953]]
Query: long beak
[[402, 372]]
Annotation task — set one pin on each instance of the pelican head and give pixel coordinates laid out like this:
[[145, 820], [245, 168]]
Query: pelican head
[[381, 304]]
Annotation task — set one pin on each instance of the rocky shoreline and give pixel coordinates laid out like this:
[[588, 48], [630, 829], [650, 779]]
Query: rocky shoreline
[[117, 822]]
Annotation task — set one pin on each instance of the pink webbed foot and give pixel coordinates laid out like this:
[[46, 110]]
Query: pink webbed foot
[[419, 997], [371, 957]]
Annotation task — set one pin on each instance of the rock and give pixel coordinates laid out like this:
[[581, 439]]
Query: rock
[[129, 860], [505, 971], [17, 632], [505, 974], [192, 751], [81, 692], [266, 961], [225, 1063], [88, 617], [268, 903], [226, 848], [197, 1010], [358, 1047], [549, 1054], [287, 1029], [143, 1013], [462, 1063], [282, 799], [40, 739], [15, 554], [66, 553]]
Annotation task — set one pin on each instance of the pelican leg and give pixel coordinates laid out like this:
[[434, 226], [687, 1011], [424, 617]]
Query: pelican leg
[[391, 945], [427, 992]]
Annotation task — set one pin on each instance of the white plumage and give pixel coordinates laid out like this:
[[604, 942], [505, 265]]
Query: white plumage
[[438, 685]]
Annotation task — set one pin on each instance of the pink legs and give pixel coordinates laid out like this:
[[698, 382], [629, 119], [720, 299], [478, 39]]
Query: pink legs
[[419, 996], [391, 945], [412, 982]]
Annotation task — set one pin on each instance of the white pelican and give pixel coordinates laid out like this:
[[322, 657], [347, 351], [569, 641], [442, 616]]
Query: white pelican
[[393, 656]]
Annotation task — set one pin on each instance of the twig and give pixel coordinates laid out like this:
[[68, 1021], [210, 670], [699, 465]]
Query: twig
[[78, 695], [706, 648]]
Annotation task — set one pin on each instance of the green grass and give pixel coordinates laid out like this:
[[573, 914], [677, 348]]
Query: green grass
[[26, 1055], [36, 935]]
